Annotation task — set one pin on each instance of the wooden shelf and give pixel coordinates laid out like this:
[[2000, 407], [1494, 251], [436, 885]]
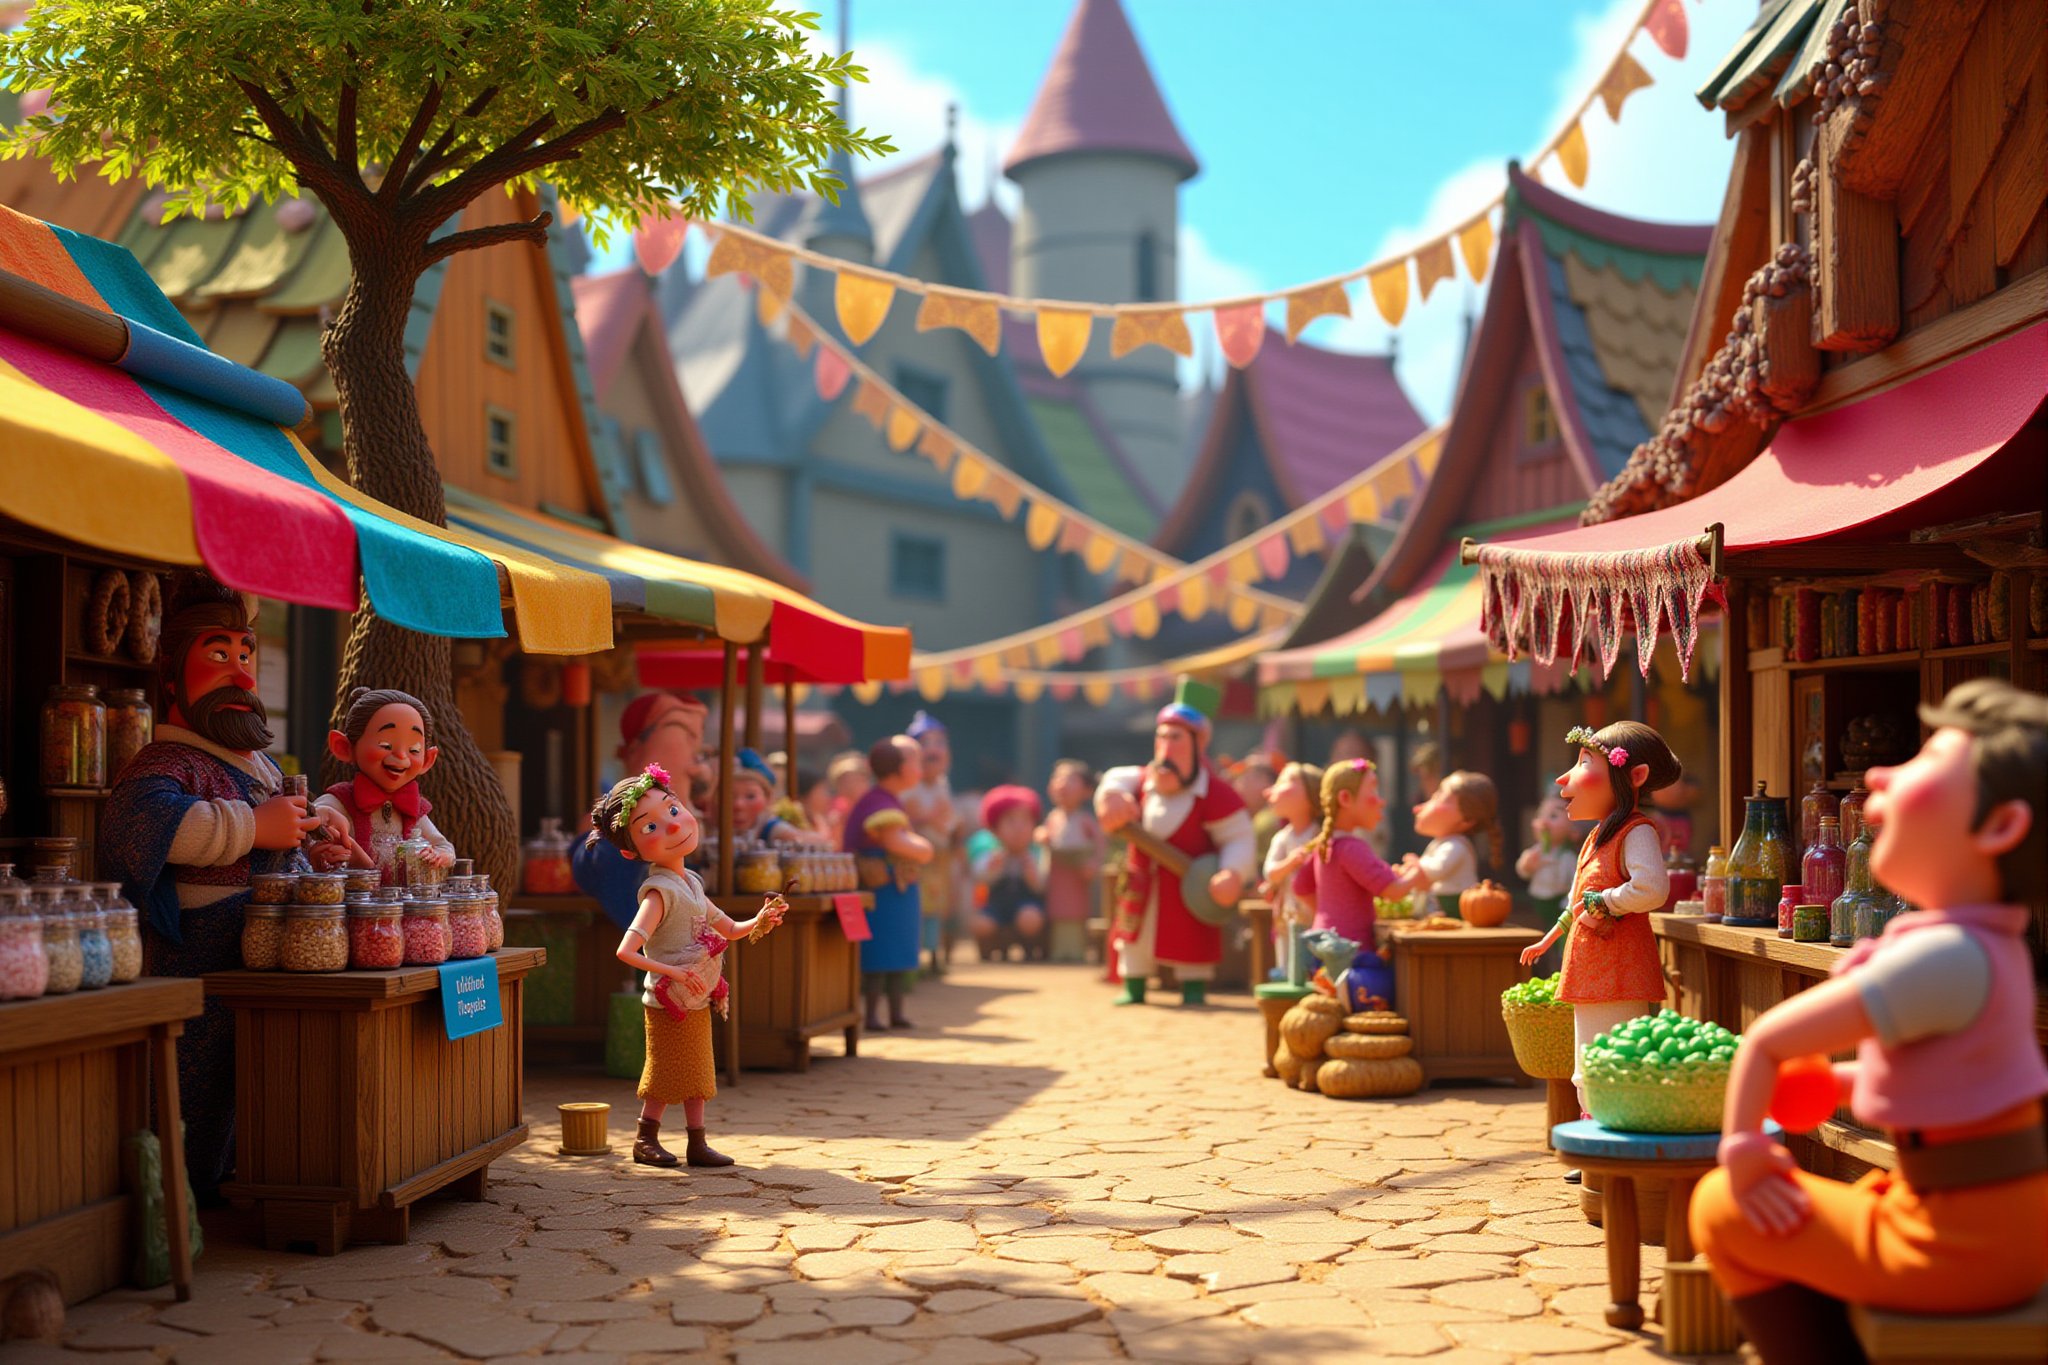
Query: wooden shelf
[[1898, 659], [1813, 959], [76, 793], [1984, 651], [86, 656], [2040, 645], [312, 989]]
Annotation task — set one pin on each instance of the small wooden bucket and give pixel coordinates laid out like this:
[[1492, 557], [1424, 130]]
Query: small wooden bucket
[[1697, 1318], [583, 1129]]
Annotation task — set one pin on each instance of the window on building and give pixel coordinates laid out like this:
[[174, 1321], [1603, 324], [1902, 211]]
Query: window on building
[[652, 463], [501, 443], [498, 334], [1539, 419], [1148, 267], [923, 389], [1248, 512], [917, 567]]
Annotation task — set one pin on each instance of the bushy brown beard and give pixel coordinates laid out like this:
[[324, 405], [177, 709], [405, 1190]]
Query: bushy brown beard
[[241, 731], [1167, 766]]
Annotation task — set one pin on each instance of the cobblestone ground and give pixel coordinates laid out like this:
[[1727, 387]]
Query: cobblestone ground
[[1031, 1176]]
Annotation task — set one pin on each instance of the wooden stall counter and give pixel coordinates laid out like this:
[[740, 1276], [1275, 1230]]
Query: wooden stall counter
[[352, 1102], [798, 983], [74, 1083], [1730, 975], [1448, 983], [568, 1004]]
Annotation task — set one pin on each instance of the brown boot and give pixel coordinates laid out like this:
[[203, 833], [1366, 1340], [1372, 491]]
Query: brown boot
[[699, 1152], [1795, 1325], [647, 1148]]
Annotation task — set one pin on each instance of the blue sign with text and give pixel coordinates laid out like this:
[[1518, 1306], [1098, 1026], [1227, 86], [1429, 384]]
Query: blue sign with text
[[469, 996]]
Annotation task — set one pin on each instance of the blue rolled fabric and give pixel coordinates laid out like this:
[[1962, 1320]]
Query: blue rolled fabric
[[166, 360], [127, 288]]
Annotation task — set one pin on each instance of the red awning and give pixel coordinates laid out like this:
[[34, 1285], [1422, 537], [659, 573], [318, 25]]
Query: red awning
[[1844, 473], [690, 670]]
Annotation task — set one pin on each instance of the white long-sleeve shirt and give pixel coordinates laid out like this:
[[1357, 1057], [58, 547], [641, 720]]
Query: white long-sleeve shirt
[[1642, 856], [1237, 848], [214, 833]]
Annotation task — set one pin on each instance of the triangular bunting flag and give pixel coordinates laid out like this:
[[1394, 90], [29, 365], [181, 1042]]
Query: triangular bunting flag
[[863, 302], [1397, 482], [1273, 556], [1062, 338], [1219, 575], [801, 338], [1239, 331], [1317, 301], [1433, 265], [1073, 536], [1389, 286], [1243, 567], [1028, 689], [1194, 598], [1073, 645], [1363, 503], [1004, 493], [1095, 632], [978, 317], [867, 693], [931, 683], [1571, 154], [1132, 566], [903, 427], [1098, 691], [657, 243], [1311, 695], [938, 447], [732, 254], [1624, 78], [1475, 245], [1305, 536], [831, 373], [1277, 617], [1121, 621], [1100, 554], [1145, 617], [768, 306], [1665, 24], [1336, 521], [871, 401], [1427, 454], [1041, 525], [1144, 687], [969, 474], [1149, 327], [1347, 695], [1045, 651], [988, 670], [1243, 611]]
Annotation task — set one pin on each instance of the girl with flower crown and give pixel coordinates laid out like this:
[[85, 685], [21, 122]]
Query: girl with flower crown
[[1611, 970], [676, 939]]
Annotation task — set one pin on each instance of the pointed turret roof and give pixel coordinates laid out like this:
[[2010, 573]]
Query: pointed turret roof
[[1099, 96]]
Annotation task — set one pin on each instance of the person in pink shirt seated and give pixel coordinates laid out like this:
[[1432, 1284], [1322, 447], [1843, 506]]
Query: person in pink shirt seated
[[1341, 876]]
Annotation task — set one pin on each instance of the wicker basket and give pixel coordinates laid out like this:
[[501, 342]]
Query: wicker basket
[[1654, 1107], [1542, 1038]]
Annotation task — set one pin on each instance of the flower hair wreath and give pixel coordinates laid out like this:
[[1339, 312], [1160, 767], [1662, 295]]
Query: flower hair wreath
[[1584, 738], [652, 776]]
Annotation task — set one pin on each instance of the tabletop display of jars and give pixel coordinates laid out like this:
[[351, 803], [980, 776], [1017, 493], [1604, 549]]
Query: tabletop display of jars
[[426, 933], [376, 935], [60, 938], [262, 936], [357, 879], [321, 888], [273, 888], [74, 738], [315, 939], [494, 920], [467, 936], [24, 967], [130, 725], [546, 871], [124, 932], [757, 871], [95, 954], [1757, 867]]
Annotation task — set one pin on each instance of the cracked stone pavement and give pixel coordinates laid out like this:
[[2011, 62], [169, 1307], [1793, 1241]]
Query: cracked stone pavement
[[1033, 1175]]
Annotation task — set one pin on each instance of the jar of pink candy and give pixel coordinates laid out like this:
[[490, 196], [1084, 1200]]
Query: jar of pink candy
[[24, 967], [376, 935], [494, 923], [426, 933]]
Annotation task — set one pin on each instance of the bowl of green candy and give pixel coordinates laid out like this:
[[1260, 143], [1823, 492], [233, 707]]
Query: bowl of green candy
[[1539, 1027], [1659, 1073]]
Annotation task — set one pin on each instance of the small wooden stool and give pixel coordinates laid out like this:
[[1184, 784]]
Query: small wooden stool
[[1275, 999], [1621, 1161], [2016, 1335]]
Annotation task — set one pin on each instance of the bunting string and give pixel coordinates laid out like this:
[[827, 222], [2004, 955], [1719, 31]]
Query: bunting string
[[989, 674]]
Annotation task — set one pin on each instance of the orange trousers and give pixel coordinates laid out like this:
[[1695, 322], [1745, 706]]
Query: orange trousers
[[1882, 1243]]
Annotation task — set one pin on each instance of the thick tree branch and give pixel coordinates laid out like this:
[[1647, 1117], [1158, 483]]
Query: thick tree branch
[[345, 127], [534, 230], [522, 156], [401, 160], [439, 155]]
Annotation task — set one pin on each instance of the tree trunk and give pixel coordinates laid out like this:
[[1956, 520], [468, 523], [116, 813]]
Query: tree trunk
[[390, 460]]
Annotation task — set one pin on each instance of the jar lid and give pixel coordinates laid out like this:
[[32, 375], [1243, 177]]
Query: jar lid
[[374, 909], [13, 900], [75, 691], [426, 910], [313, 912], [258, 910], [318, 878], [128, 696], [275, 878]]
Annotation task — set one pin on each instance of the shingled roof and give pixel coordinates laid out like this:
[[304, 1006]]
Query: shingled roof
[[1099, 96]]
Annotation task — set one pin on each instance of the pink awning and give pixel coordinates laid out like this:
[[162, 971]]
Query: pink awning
[[1845, 473]]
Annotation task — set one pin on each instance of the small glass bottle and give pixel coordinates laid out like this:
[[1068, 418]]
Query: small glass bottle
[[74, 738], [1714, 884], [1756, 867], [1810, 923], [1817, 805], [95, 954], [315, 939], [376, 936], [24, 965], [124, 933], [130, 725], [1822, 869], [425, 928], [1852, 812], [1790, 896], [494, 920], [1849, 913]]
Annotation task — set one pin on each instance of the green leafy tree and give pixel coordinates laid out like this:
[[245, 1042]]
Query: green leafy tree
[[397, 115]]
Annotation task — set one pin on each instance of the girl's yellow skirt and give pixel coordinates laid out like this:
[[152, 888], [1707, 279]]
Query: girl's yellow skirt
[[679, 1062]]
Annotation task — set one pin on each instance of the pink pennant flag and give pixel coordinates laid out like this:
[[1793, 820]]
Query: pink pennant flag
[[831, 373], [1219, 573], [1122, 619], [1274, 556], [658, 242], [1666, 26], [1239, 331], [1335, 519], [1073, 645], [1167, 598], [1062, 691]]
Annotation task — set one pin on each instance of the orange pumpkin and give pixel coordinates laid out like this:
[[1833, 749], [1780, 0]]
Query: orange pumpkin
[[1485, 905]]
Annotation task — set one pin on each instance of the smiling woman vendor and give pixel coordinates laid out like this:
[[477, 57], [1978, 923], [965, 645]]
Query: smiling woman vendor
[[389, 737]]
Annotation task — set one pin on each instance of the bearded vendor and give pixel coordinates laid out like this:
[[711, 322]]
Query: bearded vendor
[[1179, 798], [667, 730], [190, 817]]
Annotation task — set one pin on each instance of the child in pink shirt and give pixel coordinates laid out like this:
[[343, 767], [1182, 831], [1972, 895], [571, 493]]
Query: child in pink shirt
[[1342, 876]]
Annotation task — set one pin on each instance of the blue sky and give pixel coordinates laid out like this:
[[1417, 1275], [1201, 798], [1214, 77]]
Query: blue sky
[[1329, 131]]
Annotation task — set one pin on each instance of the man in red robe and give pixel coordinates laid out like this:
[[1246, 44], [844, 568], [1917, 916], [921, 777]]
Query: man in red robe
[[1177, 797]]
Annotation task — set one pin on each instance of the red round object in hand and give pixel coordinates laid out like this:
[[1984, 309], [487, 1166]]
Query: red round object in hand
[[1805, 1093]]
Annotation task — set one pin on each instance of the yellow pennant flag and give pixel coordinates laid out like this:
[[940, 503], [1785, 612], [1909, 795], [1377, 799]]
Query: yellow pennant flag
[[1571, 154], [1095, 632], [1028, 688], [1275, 618], [978, 317], [863, 302], [1243, 567], [988, 670], [801, 338], [1347, 695], [1132, 566], [1062, 337], [733, 254], [768, 306], [1475, 244], [938, 447], [1624, 78], [1317, 301], [1017, 656], [1433, 265], [1098, 691], [931, 683], [1045, 651], [1100, 554], [1311, 695], [1004, 492], [1243, 611], [1165, 327], [1145, 617], [969, 474], [867, 693], [1390, 291], [1428, 453], [1194, 597], [1362, 503], [1041, 524], [871, 402], [1306, 535], [1397, 481], [903, 427]]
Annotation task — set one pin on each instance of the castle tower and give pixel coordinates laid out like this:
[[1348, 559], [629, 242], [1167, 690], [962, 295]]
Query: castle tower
[[1099, 164]]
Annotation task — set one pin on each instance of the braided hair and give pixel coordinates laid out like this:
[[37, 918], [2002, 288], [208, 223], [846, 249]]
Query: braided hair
[[1338, 778]]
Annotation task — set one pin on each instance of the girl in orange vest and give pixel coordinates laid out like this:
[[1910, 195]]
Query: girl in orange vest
[[1611, 971]]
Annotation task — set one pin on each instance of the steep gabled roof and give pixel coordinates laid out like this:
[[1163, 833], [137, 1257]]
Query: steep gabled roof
[[1321, 417], [87, 202], [1099, 96], [1607, 301], [620, 326]]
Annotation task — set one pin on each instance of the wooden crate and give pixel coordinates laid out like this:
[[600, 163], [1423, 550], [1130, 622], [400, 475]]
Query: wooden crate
[[800, 982], [74, 1081], [1448, 984], [352, 1103]]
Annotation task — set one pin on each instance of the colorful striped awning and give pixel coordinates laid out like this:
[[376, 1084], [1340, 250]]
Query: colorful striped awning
[[123, 433], [807, 642]]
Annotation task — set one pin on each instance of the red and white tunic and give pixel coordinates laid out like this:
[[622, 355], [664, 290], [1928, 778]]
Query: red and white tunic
[[1207, 818]]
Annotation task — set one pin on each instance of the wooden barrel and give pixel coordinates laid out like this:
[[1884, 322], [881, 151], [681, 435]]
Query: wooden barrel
[[583, 1129], [1697, 1318]]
